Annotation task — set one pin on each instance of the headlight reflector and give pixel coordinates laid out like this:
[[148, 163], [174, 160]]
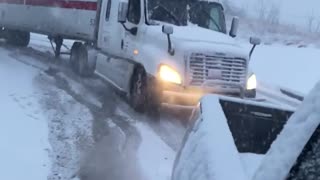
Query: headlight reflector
[[252, 82], [168, 74]]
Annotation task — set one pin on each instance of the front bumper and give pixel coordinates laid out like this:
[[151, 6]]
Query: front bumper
[[189, 96]]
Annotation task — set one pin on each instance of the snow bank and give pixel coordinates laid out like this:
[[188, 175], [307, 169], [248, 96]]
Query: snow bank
[[291, 141], [155, 157], [251, 163], [23, 129], [209, 151]]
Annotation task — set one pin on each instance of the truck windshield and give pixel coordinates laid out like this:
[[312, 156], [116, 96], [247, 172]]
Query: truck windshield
[[209, 15]]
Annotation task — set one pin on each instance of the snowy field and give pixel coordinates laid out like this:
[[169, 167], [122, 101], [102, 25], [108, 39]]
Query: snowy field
[[289, 67], [57, 125]]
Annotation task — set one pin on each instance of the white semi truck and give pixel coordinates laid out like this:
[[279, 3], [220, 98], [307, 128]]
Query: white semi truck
[[155, 51]]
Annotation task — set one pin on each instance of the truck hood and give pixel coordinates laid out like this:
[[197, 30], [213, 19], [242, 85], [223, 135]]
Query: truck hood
[[197, 39], [198, 34]]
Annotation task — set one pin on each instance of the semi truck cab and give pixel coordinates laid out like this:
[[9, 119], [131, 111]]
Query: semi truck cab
[[172, 51], [155, 51]]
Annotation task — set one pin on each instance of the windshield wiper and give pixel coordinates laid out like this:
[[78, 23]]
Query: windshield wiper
[[213, 20], [169, 13]]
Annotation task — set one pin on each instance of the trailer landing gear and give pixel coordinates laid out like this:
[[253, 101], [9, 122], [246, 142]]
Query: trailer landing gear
[[58, 41]]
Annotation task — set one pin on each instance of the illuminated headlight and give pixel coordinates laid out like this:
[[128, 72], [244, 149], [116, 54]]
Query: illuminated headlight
[[252, 82], [168, 74]]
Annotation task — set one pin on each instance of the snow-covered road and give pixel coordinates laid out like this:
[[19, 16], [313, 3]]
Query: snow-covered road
[[55, 124], [24, 143], [84, 128]]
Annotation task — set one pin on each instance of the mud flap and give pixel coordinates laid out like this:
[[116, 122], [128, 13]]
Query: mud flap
[[254, 127]]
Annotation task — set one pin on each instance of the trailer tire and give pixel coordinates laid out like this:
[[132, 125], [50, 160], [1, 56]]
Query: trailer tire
[[138, 90], [18, 38], [75, 56], [79, 60]]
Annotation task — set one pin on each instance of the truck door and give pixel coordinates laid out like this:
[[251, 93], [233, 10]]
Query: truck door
[[104, 30], [131, 41], [110, 63], [110, 31]]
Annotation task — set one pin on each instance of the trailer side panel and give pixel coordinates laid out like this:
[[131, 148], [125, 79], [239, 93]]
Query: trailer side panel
[[69, 19]]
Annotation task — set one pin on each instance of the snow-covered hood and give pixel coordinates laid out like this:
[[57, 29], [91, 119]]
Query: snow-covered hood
[[198, 34], [197, 39], [187, 40]]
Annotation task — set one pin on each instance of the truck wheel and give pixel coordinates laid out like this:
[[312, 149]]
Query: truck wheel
[[79, 60], [18, 38], [154, 97], [138, 92]]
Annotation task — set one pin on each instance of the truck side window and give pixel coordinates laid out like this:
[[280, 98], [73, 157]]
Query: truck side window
[[108, 10], [134, 11]]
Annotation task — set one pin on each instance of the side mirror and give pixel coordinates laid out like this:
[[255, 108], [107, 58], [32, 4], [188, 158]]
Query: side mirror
[[167, 29], [123, 11], [234, 27], [255, 41]]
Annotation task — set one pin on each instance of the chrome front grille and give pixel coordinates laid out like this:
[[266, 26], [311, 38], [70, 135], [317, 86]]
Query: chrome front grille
[[212, 67]]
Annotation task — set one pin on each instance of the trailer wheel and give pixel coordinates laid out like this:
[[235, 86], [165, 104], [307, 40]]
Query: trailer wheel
[[79, 60], [138, 92], [75, 56], [18, 38]]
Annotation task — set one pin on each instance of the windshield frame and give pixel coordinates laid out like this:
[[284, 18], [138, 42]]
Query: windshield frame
[[222, 20], [221, 25]]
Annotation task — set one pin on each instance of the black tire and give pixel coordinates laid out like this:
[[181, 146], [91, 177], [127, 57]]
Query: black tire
[[154, 97], [79, 60], [18, 38], [138, 92], [75, 56]]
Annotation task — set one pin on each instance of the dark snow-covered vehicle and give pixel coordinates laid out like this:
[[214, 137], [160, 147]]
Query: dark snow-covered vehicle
[[287, 142]]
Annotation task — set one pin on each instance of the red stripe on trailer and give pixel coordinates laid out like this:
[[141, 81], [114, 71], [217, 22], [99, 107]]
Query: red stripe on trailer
[[85, 5], [12, 1]]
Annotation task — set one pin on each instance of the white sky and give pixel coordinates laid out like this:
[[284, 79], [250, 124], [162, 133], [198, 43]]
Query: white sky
[[292, 11]]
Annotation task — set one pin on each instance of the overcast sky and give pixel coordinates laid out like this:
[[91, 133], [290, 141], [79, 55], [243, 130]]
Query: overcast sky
[[292, 11]]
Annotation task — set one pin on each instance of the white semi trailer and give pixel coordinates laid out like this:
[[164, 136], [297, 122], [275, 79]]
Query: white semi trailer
[[155, 51]]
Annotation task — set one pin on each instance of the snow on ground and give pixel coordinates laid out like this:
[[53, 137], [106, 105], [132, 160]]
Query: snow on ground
[[67, 106], [290, 67], [70, 125], [155, 157], [24, 130], [251, 163]]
